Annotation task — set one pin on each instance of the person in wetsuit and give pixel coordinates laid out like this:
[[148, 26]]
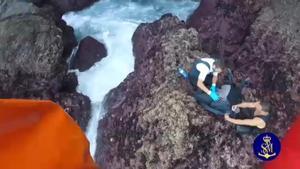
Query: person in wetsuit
[[249, 116]]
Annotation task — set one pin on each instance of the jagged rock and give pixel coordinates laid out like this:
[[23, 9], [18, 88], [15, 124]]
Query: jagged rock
[[69, 39], [77, 105], [153, 122], [270, 56], [223, 24], [31, 58], [65, 5], [13, 7], [89, 52], [38, 3], [260, 40], [69, 83], [49, 13], [36, 51]]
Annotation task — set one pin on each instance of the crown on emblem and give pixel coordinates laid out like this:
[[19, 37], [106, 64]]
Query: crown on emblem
[[267, 138]]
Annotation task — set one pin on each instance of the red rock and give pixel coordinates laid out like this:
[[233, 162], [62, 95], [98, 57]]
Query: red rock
[[223, 24], [167, 129]]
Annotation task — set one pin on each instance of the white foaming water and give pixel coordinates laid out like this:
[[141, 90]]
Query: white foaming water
[[113, 22]]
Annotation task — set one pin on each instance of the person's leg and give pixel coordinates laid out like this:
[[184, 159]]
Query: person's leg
[[217, 108], [188, 76], [224, 91], [183, 73], [221, 105], [202, 98], [244, 129]]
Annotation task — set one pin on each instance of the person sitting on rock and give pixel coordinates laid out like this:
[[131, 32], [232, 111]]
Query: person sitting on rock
[[250, 117], [204, 74]]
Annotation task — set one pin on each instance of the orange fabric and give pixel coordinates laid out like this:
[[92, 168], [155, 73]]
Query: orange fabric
[[289, 157], [40, 135]]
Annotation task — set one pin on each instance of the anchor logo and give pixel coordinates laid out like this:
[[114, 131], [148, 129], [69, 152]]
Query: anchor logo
[[266, 146]]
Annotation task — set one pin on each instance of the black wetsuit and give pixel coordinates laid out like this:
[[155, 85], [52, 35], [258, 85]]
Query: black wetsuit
[[235, 95], [247, 113]]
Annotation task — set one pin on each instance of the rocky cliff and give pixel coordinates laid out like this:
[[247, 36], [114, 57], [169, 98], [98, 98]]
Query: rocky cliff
[[33, 53], [152, 120], [64, 6], [224, 24], [268, 55]]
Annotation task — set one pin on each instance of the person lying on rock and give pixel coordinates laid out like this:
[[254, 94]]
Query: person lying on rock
[[204, 74], [250, 117]]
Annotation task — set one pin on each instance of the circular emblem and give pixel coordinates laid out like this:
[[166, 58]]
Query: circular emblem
[[266, 146]]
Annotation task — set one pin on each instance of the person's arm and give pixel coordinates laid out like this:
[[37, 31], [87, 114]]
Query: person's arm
[[204, 71], [201, 85], [247, 122], [215, 78], [247, 105]]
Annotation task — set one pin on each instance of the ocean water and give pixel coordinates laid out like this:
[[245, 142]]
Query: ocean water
[[113, 23]]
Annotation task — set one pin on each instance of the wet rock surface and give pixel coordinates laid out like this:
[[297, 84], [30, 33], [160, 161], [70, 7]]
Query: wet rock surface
[[224, 24], [270, 57], [64, 6], [152, 120], [77, 105], [68, 37], [32, 64], [89, 52]]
